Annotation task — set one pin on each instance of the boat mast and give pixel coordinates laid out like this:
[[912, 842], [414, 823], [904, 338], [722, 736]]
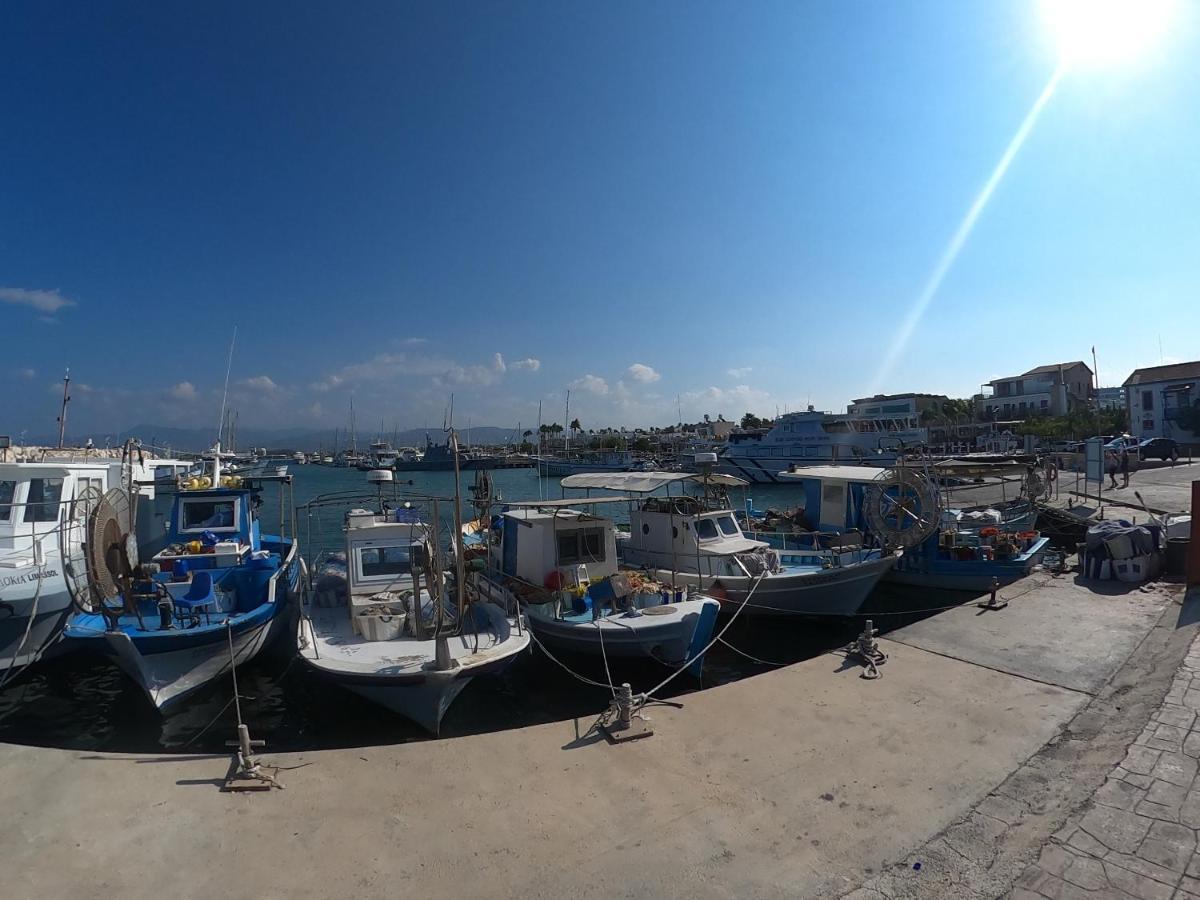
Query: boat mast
[[567, 430], [459, 569], [62, 417]]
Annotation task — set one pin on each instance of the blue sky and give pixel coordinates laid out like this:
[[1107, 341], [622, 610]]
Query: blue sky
[[732, 204]]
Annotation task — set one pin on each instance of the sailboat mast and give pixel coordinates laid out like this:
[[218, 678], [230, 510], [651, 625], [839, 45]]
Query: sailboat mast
[[62, 416], [459, 569], [566, 429]]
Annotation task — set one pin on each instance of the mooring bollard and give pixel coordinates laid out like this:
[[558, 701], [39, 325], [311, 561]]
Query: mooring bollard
[[993, 601]]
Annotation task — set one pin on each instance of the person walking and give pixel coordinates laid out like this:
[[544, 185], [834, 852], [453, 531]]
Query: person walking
[[1125, 465]]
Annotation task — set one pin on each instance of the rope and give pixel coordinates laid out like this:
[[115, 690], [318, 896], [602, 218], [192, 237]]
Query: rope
[[37, 596], [646, 695], [564, 666], [604, 656], [764, 662]]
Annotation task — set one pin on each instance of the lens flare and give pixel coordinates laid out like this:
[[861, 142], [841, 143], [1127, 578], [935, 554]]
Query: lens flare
[[1106, 32], [959, 239]]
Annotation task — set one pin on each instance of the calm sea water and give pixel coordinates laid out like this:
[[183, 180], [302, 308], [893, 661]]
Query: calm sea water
[[81, 701]]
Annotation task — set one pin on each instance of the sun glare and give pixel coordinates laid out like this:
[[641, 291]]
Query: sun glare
[[1106, 32]]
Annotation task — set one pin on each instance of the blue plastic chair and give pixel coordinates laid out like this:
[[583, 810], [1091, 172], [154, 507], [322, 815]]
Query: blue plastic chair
[[200, 595]]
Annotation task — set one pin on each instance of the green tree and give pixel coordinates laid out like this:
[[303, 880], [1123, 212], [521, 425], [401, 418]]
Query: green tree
[[750, 421], [575, 426]]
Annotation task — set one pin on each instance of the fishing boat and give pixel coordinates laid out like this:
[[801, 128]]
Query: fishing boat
[[949, 549], [441, 458], [384, 622], [695, 540], [216, 594], [44, 509], [561, 565]]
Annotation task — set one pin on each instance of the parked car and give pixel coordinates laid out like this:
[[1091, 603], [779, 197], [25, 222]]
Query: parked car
[[1123, 442], [1158, 448]]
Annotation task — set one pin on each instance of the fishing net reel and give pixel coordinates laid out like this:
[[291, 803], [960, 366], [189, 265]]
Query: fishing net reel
[[902, 508]]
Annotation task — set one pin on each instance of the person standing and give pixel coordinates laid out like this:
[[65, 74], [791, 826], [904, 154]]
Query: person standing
[[1125, 465], [1110, 466]]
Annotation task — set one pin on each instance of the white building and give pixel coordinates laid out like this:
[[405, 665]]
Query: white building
[[1052, 390], [1155, 396]]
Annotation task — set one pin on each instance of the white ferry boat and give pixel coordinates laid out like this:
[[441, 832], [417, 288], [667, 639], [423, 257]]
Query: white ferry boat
[[818, 438]]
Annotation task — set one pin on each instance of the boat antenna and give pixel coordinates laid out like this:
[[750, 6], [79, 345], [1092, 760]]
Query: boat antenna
[[225, 393], [62, 418]]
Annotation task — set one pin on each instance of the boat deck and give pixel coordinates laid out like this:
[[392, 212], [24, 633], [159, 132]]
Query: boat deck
[[328, 641]]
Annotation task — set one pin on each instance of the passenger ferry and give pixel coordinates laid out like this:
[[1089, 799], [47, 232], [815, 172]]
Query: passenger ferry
[[818, 438]]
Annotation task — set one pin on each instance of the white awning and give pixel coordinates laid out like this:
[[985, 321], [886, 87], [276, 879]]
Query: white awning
[[561, 503], [644, 482], [834, 473]]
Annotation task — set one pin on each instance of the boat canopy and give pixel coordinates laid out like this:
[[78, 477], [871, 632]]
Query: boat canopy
[[834, 473], [644, 482], [562, 503]]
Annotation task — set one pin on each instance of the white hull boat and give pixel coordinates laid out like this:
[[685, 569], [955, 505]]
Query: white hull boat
[[402, 674]]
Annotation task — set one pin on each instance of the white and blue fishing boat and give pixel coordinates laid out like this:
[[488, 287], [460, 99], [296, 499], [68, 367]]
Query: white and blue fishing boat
[[696, 541], [948, 549], [44, 510], [216, 594], [383, 623], [561, 565]]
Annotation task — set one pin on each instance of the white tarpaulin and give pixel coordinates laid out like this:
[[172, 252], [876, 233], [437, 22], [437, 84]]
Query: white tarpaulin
[[644, 482]]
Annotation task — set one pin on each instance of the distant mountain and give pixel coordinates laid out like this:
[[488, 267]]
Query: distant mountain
[[196, 439]]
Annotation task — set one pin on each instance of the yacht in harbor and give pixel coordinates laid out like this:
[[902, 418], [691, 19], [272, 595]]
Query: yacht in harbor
[[871, 432]]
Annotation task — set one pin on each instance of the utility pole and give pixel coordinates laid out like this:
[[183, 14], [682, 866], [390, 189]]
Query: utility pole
[[62, 418]]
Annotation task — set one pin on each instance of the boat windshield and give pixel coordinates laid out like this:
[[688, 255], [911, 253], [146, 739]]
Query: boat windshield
[[728, 526], [706, 529], [376, 561], [41, 504], [7, 490]]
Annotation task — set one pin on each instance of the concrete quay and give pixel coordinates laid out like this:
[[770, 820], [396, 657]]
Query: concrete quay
[[986, 733], [1137, 835]]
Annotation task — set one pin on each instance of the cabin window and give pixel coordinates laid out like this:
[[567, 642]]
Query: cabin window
[[41, 505], [213, 515], [7, 490], [376, 561], [81, 507], [706, 529], [728, 526], [833, 498], [580, 546]]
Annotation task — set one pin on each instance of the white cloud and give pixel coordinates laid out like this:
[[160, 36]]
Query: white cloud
[[643, 373], [731, 402], [185, 390], [478, 376], [498, 363], [592, 384], [260, 383], [25, 374], [43, 301], [528, 363], [739, 373]]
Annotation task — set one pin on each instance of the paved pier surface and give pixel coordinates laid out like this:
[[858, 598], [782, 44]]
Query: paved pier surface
[[804, 781], [1137, 835]]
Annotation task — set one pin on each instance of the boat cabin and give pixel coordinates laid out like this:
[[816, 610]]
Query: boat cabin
[[833, 495], [381, 551], [548, 547], [36, 497], [662, 526]]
